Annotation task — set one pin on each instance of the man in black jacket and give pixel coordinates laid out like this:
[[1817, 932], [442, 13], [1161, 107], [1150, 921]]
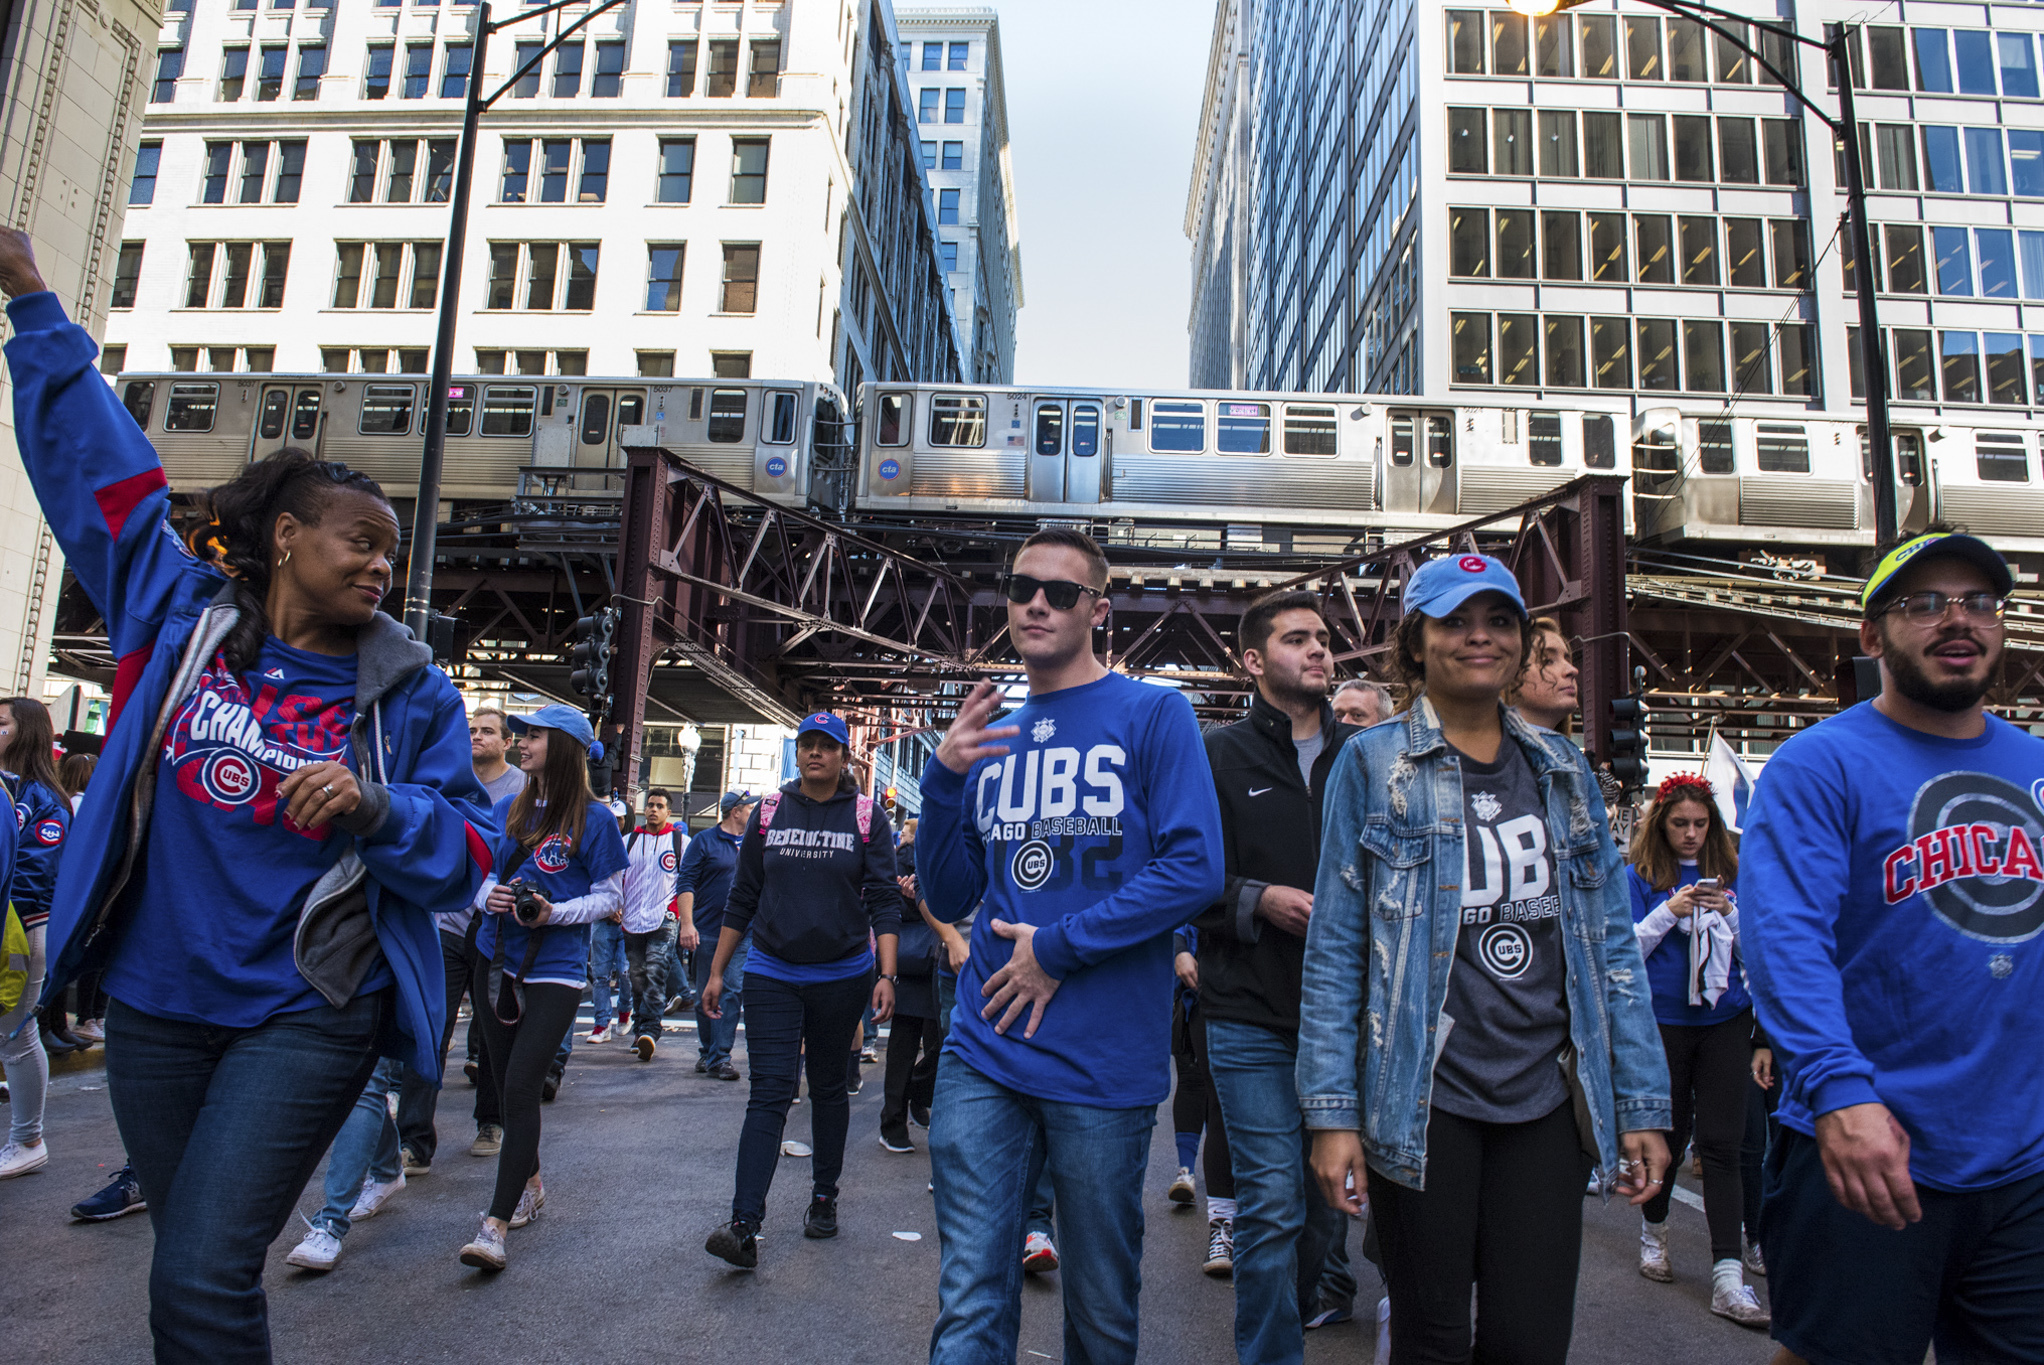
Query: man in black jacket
[[1270, 772]]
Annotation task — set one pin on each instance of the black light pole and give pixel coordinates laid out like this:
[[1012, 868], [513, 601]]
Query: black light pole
[[426, 515], [1845, 127]]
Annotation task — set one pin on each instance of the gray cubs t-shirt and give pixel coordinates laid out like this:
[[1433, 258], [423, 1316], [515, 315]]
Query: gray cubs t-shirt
[[1505, 991]]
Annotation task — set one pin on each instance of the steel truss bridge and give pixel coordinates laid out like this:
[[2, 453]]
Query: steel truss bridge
[[738, 610]]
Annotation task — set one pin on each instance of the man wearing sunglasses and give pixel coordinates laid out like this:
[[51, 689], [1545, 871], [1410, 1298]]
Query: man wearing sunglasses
[[1894, 885], [1087, 824]]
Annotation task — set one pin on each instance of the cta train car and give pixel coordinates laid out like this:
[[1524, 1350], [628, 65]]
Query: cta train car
[[760, 434]]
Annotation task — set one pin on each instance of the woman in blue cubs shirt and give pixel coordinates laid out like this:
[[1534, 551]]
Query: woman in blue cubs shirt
[[42, 817], [1689, 935], [815, 888], [561, 843], [283, 801]]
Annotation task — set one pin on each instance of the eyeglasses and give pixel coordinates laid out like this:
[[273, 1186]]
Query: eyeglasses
[[1925, 608], [1061, 593]]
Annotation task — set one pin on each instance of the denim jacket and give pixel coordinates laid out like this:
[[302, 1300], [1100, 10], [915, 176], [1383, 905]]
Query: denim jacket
[[1387, 907]]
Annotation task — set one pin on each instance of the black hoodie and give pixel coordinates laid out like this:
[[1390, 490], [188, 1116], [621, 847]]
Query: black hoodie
[[1270, 836], [809, 889]]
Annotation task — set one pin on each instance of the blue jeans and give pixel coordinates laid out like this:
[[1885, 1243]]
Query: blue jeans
[[224, 1127], [716, 1037], [1284, 1230], [988, 1147], [1042, 1204], [365, 1150], [607, 958]]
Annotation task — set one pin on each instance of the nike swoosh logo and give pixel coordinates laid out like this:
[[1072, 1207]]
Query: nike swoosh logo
[[1258, 791]]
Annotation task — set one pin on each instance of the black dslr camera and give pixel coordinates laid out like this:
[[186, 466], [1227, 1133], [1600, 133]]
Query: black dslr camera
[[526, 907]]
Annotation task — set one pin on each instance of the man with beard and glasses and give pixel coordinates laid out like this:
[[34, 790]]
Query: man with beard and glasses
[[1270, 774], [1893, 878]]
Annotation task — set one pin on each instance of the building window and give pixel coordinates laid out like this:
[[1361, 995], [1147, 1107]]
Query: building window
[[556, 158], [949, 251], [960, 54], [2026, 162], [677, 169], [721, 81], [543, 276], [1611, 352], [933, 56], [240, 265], [730, 365], [1954, 261], [1653, 248], [1791, 254], [1693, 158], [127, 275], [1561, 246], [1781, 146], [311, 66], [947, 208], [748, 170], [954, 106], [270, 73], [663, 278], [233, 73], [1515, 244], [1699, 242], [1469, 243], [1557, 143], [1658, 370], [1467, 153], [1745, 258], [255, 169], [764, 80], [953, 157], [1905, 258], [525, 65], [1960, 361], [1643, 48], [926, 105], [1603, 146], [1703, 357], [568, 70], [219, 161], [681, 69], [929, 150], [1994, 249], [1738, 152], [608, 81], [1750, 372], [1600, 47], [454, 77], [1511, 141], [418, 71], [741, 279], [595, 181], [656, 364], [170, 64], [1607, 248], [142, 185], [1565, 369], [1986, 172], [1688, 58], [1518, 360], [376, 72], [1470, 343], [113, 359], [1647, 144], [1465, 42], [1888, 56]]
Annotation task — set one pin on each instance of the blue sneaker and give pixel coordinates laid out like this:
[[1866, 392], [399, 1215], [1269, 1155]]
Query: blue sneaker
[[1328, 1314], [121, 1197]]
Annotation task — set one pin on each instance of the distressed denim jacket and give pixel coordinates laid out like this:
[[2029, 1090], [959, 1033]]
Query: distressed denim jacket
[[1387, 907]]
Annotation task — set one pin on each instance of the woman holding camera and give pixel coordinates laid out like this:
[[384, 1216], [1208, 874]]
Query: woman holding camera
[[560, 868], [1683, 866], [286, 800], [815, 888]]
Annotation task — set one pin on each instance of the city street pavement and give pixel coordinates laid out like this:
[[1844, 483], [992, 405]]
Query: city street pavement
[[638, 1160]]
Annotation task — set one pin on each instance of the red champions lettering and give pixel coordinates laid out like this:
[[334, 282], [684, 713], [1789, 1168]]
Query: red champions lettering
[[1955, 852]]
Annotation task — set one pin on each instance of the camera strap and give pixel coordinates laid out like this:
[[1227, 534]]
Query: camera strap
[[496, 972]]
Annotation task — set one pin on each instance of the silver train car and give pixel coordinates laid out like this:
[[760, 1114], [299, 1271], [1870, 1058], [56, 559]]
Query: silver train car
[[760, 434]]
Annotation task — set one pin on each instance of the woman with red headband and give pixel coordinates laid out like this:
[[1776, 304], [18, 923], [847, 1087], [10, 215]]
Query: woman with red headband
[[1687, 919]]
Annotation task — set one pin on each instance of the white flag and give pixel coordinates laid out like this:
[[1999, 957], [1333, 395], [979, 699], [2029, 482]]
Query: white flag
[[1731, 779]]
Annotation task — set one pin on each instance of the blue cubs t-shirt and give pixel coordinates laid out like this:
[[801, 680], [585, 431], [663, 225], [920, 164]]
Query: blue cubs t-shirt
[[560, 871], [1891, 907], [1668, 963], [216, 895]]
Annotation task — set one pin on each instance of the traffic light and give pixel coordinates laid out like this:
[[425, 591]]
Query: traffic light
[[591, 643], [1627, 751], [887, 798]]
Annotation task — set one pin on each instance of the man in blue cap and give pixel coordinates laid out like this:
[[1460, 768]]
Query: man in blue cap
[[706, 871], [1893, 874]]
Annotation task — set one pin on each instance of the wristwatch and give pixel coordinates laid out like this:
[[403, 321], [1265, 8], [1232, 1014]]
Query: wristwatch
[[890, 978]]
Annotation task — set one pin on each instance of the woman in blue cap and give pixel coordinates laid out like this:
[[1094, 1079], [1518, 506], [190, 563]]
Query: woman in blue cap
[[1472, 908], [559, 868], [815, 888]]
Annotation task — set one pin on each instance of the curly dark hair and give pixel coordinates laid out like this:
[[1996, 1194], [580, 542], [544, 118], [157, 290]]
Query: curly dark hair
[[245, 516]]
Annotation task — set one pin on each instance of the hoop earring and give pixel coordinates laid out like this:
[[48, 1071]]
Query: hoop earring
[[285, 560]]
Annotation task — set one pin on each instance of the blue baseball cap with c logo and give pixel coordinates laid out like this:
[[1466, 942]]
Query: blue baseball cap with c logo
[[1439, 586], [823, 722]]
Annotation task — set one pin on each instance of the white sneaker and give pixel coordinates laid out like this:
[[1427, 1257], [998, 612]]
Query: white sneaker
[[530, 1201], [1731, 1297], [1220, 1247], [318, 1251], [1384, 1331], [1753, 1262], [16, 1159], [1181, 1191], [599, 1034], [375, 1194], [486, 1250], [1653, 1252], [91, 1030]]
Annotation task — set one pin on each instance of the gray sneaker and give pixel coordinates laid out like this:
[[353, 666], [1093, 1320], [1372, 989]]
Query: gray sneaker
[[319, 1251], [489, 1140], [530, 1201], [486, 1250], [375, 1194]]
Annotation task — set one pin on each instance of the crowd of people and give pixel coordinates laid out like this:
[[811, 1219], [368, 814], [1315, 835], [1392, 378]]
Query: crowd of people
[[1405, 974]]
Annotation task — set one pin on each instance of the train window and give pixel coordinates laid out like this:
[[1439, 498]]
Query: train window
[[1178, 427], [386, 410], [631, 409], [1243, 429], [508, 409], [461, 410], [1310, 431], [191, 407], [138, 398], [1135, 414], [1600, 443], [780, 420], [1050, 429], [276, 403], [695, 405], [1782, 449], [892, 429], [2001, 456], [958, 419], [727, 416], [1085, 429], [1401, 441], [595, 419], [1543, 438], [1440, 442], [1909, 458], [1714, 447], [305, 415]]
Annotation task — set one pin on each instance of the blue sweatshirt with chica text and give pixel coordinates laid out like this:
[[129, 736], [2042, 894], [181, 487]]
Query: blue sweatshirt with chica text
[[1099, 827]]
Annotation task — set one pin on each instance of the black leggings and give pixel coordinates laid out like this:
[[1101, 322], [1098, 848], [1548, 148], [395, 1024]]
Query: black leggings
[[781, 1019], [1503, 1209], [1196, 1102], [1709, 1073], [519, 1057]]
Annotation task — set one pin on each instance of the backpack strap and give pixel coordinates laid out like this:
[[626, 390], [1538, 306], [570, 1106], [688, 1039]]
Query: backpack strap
[[768, 804], [865, 819]]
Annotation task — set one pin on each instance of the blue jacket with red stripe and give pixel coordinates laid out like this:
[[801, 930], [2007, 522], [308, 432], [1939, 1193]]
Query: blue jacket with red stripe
[[102, 489]]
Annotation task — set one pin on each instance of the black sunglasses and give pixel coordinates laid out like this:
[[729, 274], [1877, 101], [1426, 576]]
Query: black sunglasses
[[1061, 593]]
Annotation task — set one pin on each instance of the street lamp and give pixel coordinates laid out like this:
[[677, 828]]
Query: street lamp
[[1845, 127], [426, 516]]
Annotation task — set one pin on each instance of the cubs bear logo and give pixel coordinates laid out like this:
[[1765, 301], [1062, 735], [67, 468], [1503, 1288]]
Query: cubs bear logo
[[553, 854], [49, 833]]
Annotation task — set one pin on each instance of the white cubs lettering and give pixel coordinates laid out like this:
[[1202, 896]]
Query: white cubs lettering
[[988, 775], [1024, 808], [1060, 781], [1097, 775], [1525, 841]]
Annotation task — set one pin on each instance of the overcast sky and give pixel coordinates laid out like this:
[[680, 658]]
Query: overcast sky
[[1103, 106]]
